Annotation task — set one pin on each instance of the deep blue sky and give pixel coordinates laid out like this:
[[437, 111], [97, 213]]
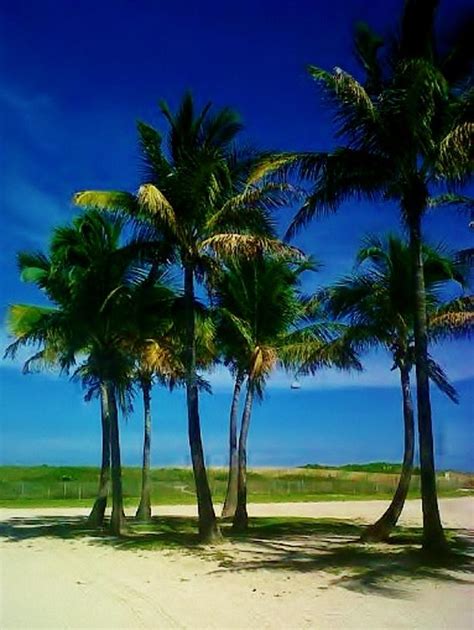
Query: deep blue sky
[[75, 80]]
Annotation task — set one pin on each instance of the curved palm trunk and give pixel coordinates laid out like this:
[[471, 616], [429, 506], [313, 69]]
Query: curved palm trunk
[[208, 527], [96, 517], [241, 518], [117, 520], [230, 502], [144, 509], [433, 534], [380, 530]]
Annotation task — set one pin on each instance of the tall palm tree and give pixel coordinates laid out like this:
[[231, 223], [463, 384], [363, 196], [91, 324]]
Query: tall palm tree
[[403, 135], [377, 300], [88, 278], [264, 321], [196, 198]]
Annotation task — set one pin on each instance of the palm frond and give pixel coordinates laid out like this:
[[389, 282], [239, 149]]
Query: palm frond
[[240, 326], [456, 151], [344, 174], [347, 89], [274, 164], [262, 362], [250, 209], [439, 378], [110, 200], [235, 245], [152, 201], [463, 202], [367, 44], [453, 320]]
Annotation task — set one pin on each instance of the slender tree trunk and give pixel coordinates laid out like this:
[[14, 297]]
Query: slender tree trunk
[[144, 509], [230, 502], [380, 530], [208, 528], [241, 518], [96, 517], [117, 520], [434, 540]]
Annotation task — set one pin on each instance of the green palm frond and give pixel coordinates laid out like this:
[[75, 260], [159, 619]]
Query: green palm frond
[[24, 319], [463, 202], [275, 164], [34, 267], [337, 177], [367, 45], [378, 304], [250, 209], [221, 129], [111, 200], [156, 165], [312, 355], [240, 326]]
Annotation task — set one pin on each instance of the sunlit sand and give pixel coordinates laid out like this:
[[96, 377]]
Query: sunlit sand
[[297, 581]]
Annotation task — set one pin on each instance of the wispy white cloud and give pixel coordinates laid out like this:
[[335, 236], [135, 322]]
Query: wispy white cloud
[[34, 114], [32, 138], [33, 211]]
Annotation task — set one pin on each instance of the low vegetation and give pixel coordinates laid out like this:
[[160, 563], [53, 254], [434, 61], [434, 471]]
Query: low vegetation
[[77, 486]]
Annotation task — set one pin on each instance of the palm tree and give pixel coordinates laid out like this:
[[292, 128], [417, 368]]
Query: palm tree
[[88, 278], [150, 341], [230, 500], [196, 199], [264, 321], [233, 354], [378, 304], [402, 135]]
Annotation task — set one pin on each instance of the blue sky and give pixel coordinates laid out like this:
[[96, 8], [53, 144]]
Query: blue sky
[[74, 83]]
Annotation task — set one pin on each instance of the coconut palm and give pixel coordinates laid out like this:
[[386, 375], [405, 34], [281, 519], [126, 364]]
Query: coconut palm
[[196, 198], [89, 278], [230, 499], [263, 320], [404, 134], [150, 341], [233, 355], [377, 301]]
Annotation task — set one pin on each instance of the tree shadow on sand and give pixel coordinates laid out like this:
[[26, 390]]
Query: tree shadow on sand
[[289, 545], [177, 532], [333, 547]]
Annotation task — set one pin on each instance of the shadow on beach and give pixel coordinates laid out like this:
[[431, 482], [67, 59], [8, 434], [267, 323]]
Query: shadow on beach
[[279, 544]]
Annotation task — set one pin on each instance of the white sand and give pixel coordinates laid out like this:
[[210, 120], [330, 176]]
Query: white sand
[[78, 583]]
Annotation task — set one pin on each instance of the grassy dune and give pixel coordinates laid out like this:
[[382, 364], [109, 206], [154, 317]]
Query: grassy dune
[[76, 486]]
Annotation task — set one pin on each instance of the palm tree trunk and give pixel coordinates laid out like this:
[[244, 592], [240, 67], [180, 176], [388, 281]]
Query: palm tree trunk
[[241, 518], [96, 517], [208, 527], [117, 520], [230, 502], [434, 540], [144, 509], [380, 530]]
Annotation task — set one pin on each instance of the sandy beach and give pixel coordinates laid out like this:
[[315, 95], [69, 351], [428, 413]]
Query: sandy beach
[[294, 582]]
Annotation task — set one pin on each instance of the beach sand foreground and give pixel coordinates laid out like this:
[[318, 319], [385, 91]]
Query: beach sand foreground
[[294, 582]]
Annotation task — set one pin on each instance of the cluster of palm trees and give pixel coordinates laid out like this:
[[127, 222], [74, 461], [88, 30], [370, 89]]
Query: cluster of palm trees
[[204, 214]]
